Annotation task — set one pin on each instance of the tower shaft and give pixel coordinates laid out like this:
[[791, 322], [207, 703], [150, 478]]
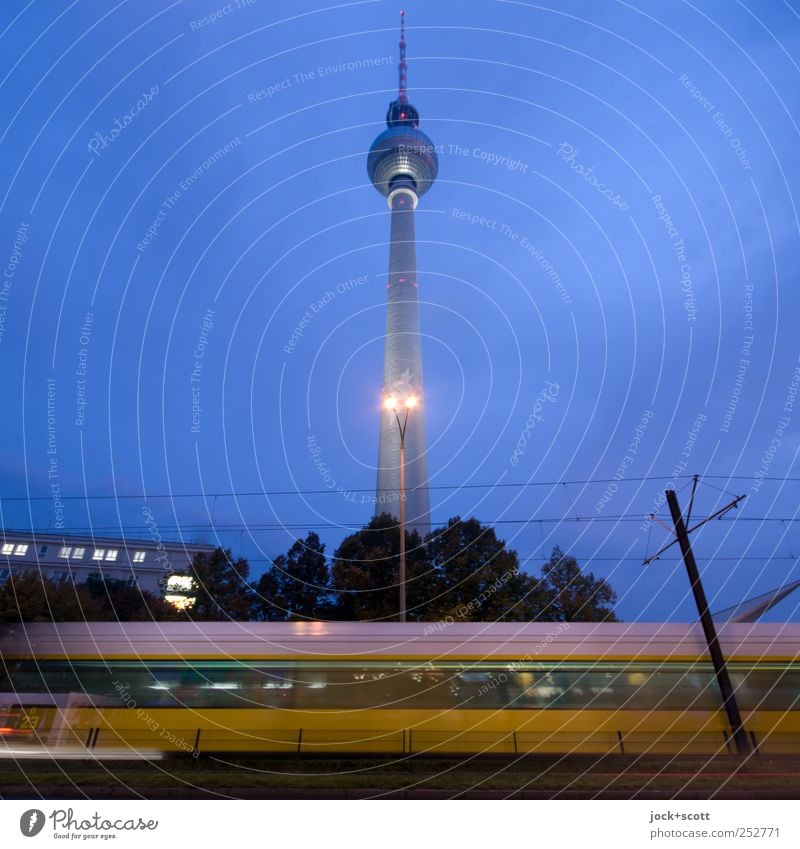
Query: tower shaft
[[402, 165], [402, 375]]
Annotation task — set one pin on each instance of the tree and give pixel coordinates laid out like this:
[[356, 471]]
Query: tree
[[221, 587], [296, 586], [460, 573], [480, 578], [364, 575], [573, 596], [115, 600], [32, 598], [269, 602]]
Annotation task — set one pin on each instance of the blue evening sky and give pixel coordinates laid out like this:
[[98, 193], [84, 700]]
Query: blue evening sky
[[194, 269]]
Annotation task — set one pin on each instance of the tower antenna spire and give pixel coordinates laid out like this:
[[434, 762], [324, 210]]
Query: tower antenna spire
[[402, 95]]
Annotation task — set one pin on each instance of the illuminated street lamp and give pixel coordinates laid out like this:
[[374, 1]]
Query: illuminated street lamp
[[393, 403]]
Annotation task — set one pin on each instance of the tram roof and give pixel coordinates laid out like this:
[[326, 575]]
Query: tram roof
[[528, 641]]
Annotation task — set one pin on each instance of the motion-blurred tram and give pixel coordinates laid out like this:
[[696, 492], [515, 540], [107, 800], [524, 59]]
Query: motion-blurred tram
[[395, 688]]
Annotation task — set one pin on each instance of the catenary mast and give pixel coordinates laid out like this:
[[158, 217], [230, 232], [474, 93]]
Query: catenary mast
[[402, 166]]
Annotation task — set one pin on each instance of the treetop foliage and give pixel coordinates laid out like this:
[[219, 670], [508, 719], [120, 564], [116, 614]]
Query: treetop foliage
[[461, 572]]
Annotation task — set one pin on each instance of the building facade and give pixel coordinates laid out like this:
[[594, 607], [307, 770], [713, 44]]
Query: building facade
[[75, 558]]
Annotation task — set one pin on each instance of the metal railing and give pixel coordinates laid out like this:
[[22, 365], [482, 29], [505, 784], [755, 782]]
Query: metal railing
[[414, 741], [51, 728]]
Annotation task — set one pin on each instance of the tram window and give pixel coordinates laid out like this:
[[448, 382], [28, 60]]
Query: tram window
[[393, 685]]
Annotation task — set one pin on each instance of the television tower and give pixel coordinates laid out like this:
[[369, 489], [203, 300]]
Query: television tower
[[402, 165]]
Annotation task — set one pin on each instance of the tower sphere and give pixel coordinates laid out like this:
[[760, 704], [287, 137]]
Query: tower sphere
[[400, 154]]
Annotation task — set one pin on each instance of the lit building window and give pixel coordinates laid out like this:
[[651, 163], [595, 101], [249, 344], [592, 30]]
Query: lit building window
[[111, 554], [8, 548], [180, 602], [77, 553], [65, 552], [178, 591], [99, 554], [20, 550], [179, 583], [138, 556]]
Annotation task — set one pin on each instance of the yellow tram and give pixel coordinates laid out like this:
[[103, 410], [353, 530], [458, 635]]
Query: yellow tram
[[394, 688]]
